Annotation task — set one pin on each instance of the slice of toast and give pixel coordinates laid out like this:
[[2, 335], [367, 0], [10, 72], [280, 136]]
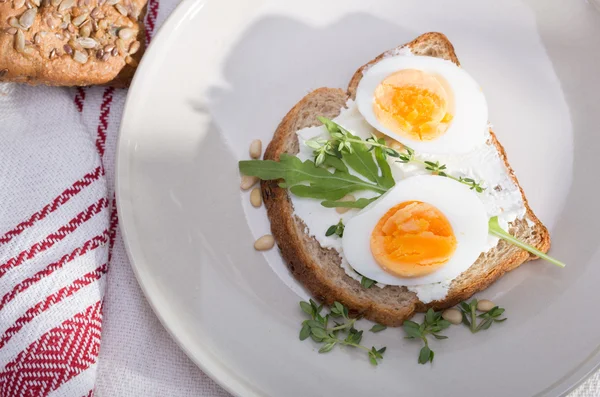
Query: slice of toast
[[318, 268]]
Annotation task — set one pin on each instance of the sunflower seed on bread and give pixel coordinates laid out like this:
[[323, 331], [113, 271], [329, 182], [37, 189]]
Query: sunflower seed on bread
[[56, 42]]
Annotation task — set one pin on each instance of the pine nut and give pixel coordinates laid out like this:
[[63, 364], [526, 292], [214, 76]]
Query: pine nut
[[485, 305], [452, 315], [343, 210], [248, 182], [255, 197], [264, 243], [255, 149]]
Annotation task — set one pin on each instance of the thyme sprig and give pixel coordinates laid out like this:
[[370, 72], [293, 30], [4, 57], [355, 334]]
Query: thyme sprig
[[342, 141], [318, 328], [432, 324], [470, 316], [337, 229]]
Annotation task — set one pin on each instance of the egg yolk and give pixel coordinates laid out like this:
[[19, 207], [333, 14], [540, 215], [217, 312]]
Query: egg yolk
[[412, 239], [413, 104]]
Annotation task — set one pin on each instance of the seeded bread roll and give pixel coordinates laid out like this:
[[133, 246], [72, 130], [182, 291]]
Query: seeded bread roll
[[319, 269], [70, 42]]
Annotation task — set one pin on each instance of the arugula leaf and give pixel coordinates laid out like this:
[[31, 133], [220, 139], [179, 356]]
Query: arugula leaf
[[322, 183], [496, 230], [316, 180], [361, 160], [360, 203], [359, 156], [386, 179], [338, 164], [342, 141]]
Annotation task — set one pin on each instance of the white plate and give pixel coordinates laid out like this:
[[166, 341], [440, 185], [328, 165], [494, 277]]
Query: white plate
[[222, 73]]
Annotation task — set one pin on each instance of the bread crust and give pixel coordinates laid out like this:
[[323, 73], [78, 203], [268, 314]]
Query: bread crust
[[57, 32], [318, 268]]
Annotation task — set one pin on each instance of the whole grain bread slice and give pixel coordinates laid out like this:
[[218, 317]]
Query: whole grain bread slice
[[49, 53], [318, 268]]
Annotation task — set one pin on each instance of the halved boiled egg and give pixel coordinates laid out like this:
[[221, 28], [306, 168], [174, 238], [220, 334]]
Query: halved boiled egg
[[426, 103], [426, 229]]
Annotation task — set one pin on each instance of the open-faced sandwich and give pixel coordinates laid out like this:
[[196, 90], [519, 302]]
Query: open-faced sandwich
[[394, 196]]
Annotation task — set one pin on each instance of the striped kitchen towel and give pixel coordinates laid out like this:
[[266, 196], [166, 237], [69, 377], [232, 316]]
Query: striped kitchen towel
[[54, 234], [57, 227]]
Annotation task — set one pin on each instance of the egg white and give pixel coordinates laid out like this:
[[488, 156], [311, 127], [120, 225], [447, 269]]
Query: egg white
[[470, 114], [461, 206], [501, 198]]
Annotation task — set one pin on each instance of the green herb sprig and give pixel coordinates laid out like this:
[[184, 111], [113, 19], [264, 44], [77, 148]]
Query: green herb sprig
[[317, 328], [342, 140], [378, 328], [366, 282], [496, 230], [432, 324], [360, 203], [305, 180], [309, 179], [355, 154], [338, 229], [440, 169], [470, 316]]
